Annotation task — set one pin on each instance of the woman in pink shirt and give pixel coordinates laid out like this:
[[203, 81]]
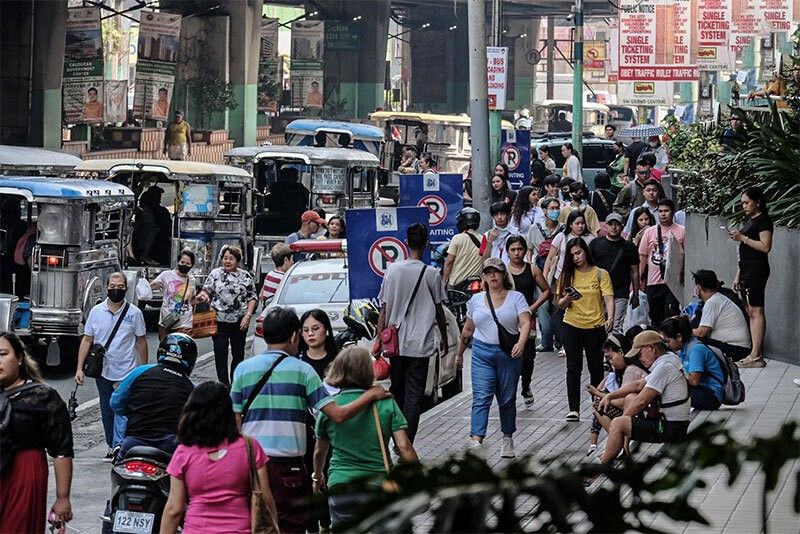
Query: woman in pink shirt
[[211, 468]]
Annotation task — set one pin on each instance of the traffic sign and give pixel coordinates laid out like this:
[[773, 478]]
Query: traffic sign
[[384, 251], [437, 208], [533, 56], [517, 155], [442, 195]]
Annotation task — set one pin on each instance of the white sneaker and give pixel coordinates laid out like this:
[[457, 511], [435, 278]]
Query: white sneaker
[[507, 450], [562, 353], [592, 449], [796, 382]]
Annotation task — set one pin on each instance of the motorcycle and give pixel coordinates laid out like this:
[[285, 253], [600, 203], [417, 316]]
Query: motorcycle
[[140, 489]]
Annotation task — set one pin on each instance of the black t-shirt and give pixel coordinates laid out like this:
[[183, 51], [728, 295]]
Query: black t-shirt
[[538, 172], [601, 208], [155, 402], [752, 228], [632, 152], [604, 252], [318, 365]]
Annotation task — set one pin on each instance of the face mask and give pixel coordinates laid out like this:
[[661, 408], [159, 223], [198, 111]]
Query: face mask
[[116, 295], [553, 214], [183, 269]]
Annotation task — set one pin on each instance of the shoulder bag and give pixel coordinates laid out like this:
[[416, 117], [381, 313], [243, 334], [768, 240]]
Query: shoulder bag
[[93, 366], [172, 318], [388, 485], [507, 339], [260, 384], [390, 339], [204, 322], [261, 520]]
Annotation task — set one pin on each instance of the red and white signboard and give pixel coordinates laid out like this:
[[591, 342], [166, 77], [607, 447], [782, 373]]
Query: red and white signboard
[[497, 75], [745, 23], [714, 22], [384, 251], [775, 15]]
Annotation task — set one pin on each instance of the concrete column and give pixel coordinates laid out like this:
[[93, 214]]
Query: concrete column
[[245, 21], [524, 73], [371, 57], [48, 67]]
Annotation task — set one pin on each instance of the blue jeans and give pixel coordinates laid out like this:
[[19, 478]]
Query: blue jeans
[[346, 508], [494, 374], [113, 425], [545, 326]]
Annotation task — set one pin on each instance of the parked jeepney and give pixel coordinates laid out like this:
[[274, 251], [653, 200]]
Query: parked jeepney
[[30, 161], [545, 116], [59, 241], [183, 205], [319, 133], [293, 179]]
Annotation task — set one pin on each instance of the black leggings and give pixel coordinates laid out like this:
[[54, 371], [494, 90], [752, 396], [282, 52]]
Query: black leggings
[[528, 358], [576, 341], [228, 333]]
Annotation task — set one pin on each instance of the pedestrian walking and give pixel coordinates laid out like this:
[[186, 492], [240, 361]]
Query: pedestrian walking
[[231, 292], [211, 468], [540, 240], [755, 243], [577, 202], [271, 393], [283, 258], [643, 219], [493, 243], [463, 255], [539, 170], [574, 227], [500, 191], [498, 323], [632, 194], [652, 192], [525, 210], [39, 423], [620, 259], [118, 326], [411, 299], [584, 291], [654, 251], [178, 290], [178, 138], [360, 445], [572, 165], [616, 169], [528, 280], [602, 199]]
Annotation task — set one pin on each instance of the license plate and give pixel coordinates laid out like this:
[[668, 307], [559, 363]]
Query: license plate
[[133, 522]]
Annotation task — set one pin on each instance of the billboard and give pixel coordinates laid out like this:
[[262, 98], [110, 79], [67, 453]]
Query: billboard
[[83, 95], [156, 64], [308, 60]]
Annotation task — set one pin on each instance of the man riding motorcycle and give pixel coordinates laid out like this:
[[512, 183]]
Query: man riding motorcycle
[[463, 258], [152, 396]]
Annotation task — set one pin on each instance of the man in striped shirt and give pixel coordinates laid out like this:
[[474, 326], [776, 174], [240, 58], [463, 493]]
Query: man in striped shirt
[[282, 257], [276, 416]]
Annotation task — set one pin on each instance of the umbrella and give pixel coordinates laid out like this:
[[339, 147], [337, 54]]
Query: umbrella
[[642, 131]]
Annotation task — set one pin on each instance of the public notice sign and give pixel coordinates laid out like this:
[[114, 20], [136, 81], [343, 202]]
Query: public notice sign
[[714, 22], [156, 65], [744, 24], [497, 75], [83, 96]]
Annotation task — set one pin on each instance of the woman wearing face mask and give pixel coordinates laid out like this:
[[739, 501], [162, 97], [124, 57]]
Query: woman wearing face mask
[[662, 158], [178, 288], [526, 210], [500, 191]]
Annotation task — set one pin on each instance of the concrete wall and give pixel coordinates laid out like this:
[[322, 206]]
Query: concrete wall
[[708, 247]]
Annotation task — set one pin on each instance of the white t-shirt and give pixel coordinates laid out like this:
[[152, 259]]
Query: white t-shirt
[[177, 297], [560, 241], [666, 377], [573, 168], [726, 321], [485, 328], [121, 355]]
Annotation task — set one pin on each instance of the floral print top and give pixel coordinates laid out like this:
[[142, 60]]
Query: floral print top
[[230, 292]]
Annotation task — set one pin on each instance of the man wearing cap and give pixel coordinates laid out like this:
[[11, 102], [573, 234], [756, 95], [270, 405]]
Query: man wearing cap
[[666, 382], [310, 224], [178, 138], [621, 259], [722, 321]]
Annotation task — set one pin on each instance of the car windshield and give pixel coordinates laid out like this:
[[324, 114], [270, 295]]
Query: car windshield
[[315, 288]]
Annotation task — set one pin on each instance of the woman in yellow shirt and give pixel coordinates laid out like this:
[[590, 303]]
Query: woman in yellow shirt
[[585, 292]]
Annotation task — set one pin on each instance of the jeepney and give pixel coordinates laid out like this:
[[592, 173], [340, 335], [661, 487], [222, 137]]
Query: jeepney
[[183, 205], [544, 116], [30, 161], [59, 241], [319, 133]]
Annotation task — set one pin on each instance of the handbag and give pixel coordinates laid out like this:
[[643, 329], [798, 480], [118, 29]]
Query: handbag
[[390, 339], [204, 322], [388, 485], [261, 520], [381, 367], [93, 365], [172, 318], [507, 339]]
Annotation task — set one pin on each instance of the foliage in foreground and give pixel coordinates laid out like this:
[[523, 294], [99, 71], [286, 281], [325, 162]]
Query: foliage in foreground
[[465, 495]]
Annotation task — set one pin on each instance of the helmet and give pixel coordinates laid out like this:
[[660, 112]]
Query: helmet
[[468, 218], [362, 315], [178, 351]]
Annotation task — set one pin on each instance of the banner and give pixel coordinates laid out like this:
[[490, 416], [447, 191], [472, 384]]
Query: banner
[[516, 153], [441, 194], [270, 83], [375, 238], [308, 60], [82, 87], [116, 100], [156, 64], [713, 35], [497, 73], [655, 41]]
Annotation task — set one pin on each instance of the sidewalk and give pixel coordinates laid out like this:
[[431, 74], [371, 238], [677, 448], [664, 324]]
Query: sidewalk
[[772, 399]]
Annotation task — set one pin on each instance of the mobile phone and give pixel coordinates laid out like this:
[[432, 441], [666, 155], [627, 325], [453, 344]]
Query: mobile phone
[[574, 293], [725, 229]]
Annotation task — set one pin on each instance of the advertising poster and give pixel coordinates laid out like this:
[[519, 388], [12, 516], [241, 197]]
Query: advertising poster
[[82, 88], [308, 60], [269, 82], [375, 239], [516, 153], [645, 93], [714, 35], [441, 194], [497, 72], [116, 100], [156, 64]]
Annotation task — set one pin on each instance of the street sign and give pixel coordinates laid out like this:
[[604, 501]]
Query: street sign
[[497, 75], [517, 155], [533, 57], [442, 196], [375, 239]]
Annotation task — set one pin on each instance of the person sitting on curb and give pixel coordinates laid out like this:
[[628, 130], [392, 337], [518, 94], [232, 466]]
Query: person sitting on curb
[[701, 366], [666, 381], [723, 324]]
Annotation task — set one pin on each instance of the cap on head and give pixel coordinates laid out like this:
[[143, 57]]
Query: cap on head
[[614, 217], [494, 264], [311, 216], [648, 337], [706, 279]]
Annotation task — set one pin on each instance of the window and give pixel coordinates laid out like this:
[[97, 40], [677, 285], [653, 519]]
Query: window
[[315, 288]]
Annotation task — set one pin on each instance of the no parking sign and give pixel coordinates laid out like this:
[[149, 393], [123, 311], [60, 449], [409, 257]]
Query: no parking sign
[[517, 155], [376, 239], [441, 195]]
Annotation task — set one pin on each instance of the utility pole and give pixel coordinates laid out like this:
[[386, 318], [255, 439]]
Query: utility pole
[[577, 81], [551, 52], [479, 109], [496, 115]]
